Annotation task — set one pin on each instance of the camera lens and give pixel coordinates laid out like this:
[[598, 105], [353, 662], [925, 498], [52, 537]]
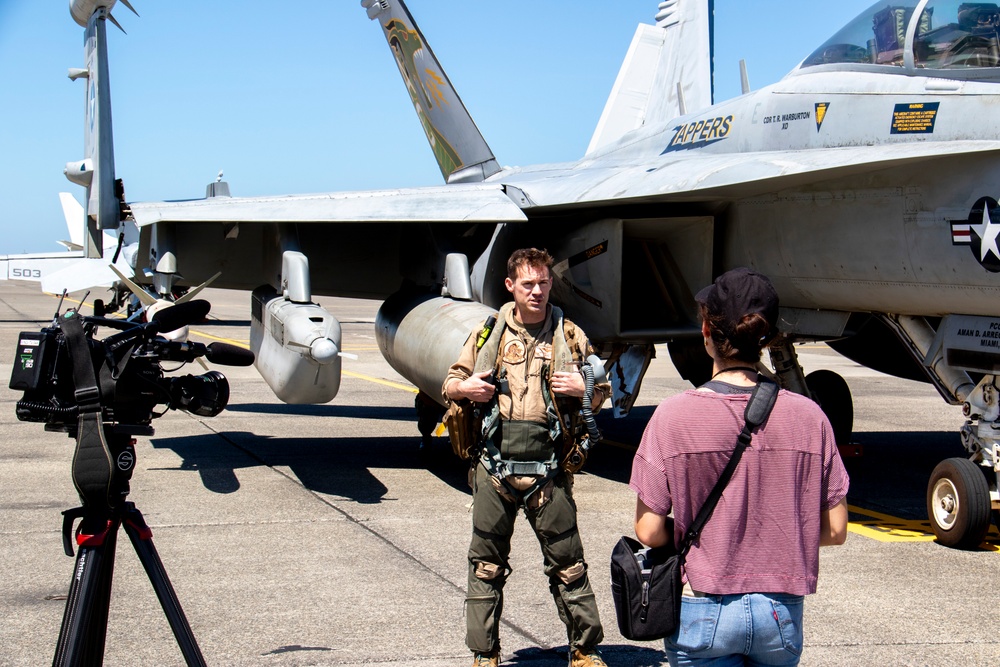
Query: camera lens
[[204, 395]]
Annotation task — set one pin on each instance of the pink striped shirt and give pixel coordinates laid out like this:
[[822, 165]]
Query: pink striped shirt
[[764, 534]]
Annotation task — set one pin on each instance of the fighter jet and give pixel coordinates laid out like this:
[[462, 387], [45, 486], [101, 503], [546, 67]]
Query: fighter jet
[[864, 184]]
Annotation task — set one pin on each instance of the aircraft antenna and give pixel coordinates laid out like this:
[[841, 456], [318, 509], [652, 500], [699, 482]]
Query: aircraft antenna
[[55, 318], [744, 77]]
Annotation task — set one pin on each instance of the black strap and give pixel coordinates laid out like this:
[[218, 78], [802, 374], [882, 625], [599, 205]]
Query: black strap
[[758, 408], [93, 468], [87, 394]]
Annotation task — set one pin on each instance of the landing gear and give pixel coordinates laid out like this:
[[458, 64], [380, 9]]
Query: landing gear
[[958, 503], [429, 415], [832, 394], [962, 495], [825, 387]]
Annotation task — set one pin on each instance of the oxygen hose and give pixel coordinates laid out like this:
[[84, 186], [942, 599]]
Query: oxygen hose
[[587, 410]]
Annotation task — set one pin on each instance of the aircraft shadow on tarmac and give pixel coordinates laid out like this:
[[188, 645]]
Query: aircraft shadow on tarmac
[[335, 466], [341, 466], [889, 476], [228, 323], [386, 412]]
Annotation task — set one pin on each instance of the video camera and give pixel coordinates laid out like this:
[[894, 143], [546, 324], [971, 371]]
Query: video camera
[[65, 368]]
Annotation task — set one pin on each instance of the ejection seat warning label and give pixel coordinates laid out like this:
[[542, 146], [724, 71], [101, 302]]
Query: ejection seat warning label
[[916, 118]]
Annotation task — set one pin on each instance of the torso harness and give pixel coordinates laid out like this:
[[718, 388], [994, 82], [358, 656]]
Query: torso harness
[[559, 433]]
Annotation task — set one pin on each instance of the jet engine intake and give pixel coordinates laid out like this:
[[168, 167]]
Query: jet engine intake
[[297, 347]]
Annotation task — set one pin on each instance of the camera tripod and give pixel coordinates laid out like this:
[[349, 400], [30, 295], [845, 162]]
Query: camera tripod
[[85, 620]]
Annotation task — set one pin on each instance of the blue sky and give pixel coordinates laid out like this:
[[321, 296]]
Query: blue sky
[[305, 97]]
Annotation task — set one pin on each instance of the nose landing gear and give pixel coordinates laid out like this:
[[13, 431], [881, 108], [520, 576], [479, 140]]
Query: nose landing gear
[[963, 492], [958, 503]]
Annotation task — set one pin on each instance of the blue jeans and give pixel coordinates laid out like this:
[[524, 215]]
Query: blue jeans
[[755, 629]]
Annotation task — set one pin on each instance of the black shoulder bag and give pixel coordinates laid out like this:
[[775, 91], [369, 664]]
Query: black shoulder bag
[[646, 582]]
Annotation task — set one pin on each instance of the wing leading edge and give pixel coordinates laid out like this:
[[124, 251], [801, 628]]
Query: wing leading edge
[[452, 203]]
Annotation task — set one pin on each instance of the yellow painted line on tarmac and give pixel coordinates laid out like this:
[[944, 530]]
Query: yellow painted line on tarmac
[[387, 383], [887, 528], [245, 344]]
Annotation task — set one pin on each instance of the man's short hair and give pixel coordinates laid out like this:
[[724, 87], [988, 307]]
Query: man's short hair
[[528, 257]]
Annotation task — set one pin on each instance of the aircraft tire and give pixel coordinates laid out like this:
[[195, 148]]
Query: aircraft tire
[[832, 394], [958, 504]]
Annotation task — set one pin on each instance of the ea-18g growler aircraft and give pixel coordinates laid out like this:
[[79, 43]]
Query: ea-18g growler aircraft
[[864, 184]]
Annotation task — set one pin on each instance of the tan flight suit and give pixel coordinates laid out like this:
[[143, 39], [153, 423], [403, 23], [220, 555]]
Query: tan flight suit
[[551, 511]]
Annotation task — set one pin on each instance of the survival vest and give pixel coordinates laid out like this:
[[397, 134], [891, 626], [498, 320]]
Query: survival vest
[[472, 426]]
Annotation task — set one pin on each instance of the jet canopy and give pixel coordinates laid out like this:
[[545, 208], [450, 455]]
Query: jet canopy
[[945, 35]]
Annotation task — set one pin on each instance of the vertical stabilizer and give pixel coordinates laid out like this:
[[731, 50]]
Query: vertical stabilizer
[[96, 171], [460, 150], [76, 220], [668, 66]]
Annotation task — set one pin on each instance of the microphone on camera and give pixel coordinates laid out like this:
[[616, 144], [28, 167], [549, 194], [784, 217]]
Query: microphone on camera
[[225, 354], [179, 315]]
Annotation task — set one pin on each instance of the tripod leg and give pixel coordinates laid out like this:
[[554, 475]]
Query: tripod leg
[[142, 540], [85, 619]]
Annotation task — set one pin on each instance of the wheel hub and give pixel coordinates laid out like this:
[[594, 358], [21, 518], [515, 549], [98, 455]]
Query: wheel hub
[[945, 503]]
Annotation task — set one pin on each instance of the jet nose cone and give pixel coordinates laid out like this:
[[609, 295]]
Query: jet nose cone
[[323, 351]]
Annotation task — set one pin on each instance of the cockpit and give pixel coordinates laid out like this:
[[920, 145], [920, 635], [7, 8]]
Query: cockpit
[[917, 34]]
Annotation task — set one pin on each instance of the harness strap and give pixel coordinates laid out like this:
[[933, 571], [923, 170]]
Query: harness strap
[[500, 469]]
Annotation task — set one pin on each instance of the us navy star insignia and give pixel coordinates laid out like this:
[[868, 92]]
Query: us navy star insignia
[[980, 233], [987, 231]]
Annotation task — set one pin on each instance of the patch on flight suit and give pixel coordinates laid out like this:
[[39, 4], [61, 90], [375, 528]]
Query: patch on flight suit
[[513, 351], [544, 352]]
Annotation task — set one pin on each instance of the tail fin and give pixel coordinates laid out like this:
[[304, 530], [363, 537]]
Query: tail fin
[[76, 221], [460, 150], [667, 72], [96, 171]]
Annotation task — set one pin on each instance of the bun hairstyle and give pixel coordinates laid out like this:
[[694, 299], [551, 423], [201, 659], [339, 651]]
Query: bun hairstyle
[[747, 340], [741, 310]]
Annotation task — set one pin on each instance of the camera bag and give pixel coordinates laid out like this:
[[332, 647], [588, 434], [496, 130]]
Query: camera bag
[[646, 583]]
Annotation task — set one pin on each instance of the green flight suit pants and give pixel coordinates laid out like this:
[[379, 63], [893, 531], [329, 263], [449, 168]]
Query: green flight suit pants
[[554, 523]]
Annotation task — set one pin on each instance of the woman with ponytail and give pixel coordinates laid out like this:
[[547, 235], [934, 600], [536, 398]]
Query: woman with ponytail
[[758, 556]]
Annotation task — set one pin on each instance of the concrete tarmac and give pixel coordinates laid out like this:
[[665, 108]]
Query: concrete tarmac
[[322, 535]]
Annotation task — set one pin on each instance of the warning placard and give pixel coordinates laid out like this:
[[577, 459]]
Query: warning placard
[[914, 118]]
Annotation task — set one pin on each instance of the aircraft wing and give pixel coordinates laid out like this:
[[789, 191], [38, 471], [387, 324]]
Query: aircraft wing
[[452, 203], [679, 177], [674, 178]]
